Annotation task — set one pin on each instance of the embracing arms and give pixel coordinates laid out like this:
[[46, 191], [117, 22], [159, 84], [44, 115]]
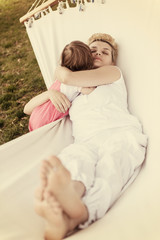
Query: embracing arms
[[88, 78], [58, 99]]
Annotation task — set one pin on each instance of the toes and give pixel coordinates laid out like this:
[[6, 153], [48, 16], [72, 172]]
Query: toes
[[39, 193], [57, 166], [44, 172], [54, 162], [45, 167], [53, 203], [46, 194]]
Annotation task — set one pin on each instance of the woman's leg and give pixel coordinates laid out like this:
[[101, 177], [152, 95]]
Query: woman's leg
[[58, 224], [67, 192], [80, 161], [119, 157], [59, 202], [44, 173]]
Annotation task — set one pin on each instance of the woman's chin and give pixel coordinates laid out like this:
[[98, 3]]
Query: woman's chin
[[96, 65]]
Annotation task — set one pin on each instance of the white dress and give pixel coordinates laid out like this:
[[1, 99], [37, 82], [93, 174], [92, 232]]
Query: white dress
[[109, 146]]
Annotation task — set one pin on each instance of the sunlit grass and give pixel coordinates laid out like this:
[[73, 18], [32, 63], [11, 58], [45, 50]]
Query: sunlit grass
[[20, 77]]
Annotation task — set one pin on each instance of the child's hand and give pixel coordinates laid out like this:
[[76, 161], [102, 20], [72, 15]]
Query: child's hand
[[59, 100], [87, 90]]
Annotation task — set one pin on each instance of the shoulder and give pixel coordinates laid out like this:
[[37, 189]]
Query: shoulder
[[112, 73]]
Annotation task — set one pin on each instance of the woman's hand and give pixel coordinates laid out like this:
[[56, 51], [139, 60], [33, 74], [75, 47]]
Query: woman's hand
[[87, 90], [59, 100]]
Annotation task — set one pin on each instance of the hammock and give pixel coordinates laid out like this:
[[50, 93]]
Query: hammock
[[135, 26]]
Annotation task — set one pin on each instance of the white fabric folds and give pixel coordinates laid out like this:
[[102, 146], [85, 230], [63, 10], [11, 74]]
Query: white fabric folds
[[20, 160], [135, 26]]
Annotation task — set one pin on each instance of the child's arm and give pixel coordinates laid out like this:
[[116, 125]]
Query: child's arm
[[59, 100], [36, 101]]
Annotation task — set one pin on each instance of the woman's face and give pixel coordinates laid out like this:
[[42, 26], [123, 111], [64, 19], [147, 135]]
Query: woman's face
[[102, 53]]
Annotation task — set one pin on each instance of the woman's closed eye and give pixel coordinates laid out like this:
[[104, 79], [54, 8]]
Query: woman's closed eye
[[106, 53]]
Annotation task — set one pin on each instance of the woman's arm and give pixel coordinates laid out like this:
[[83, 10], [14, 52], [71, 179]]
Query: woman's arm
[[87, 90], [88, 78], [58, 99]]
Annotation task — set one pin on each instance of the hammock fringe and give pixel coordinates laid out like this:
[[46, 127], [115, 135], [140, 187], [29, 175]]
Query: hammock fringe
[[38, 9]]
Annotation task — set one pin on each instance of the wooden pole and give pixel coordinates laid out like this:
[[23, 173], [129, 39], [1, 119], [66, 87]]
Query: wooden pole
[[38, 9]]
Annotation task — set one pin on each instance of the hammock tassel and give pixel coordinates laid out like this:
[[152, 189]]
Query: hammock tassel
[[37, 15], [29, 23], [81, 7], [61, 8]]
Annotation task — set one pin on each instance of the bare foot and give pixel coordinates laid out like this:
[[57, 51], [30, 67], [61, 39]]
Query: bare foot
[[50, 210], [44, 171], [56, 221], [39, 201], [59, 225], [62, 187]]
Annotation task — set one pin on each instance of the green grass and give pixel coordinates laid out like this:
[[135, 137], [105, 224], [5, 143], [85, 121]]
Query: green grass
[[20, 76]]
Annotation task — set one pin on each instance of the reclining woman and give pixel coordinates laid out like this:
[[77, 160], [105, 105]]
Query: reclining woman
[[80, 184]]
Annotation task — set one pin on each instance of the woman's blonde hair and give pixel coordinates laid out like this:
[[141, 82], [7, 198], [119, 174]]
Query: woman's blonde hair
[[77, 56], [103, 37]]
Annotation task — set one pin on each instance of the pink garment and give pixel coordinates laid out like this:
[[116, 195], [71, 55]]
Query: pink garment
[[46, 112]]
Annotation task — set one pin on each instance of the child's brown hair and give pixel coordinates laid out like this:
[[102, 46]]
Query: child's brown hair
[[77, 56]]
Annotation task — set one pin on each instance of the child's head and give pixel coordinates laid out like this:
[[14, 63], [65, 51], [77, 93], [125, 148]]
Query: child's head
[[77, 56], [103, 37]]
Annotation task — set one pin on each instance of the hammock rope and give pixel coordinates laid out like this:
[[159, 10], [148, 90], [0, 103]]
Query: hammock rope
[[36, 4], [42, 5]]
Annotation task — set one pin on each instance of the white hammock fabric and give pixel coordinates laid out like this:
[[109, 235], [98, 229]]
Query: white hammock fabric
[[136, 215]]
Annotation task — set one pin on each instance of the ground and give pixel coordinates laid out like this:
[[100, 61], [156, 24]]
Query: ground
[[20, 77]]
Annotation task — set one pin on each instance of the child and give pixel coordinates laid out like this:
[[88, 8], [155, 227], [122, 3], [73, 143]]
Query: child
[[52, 104]]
